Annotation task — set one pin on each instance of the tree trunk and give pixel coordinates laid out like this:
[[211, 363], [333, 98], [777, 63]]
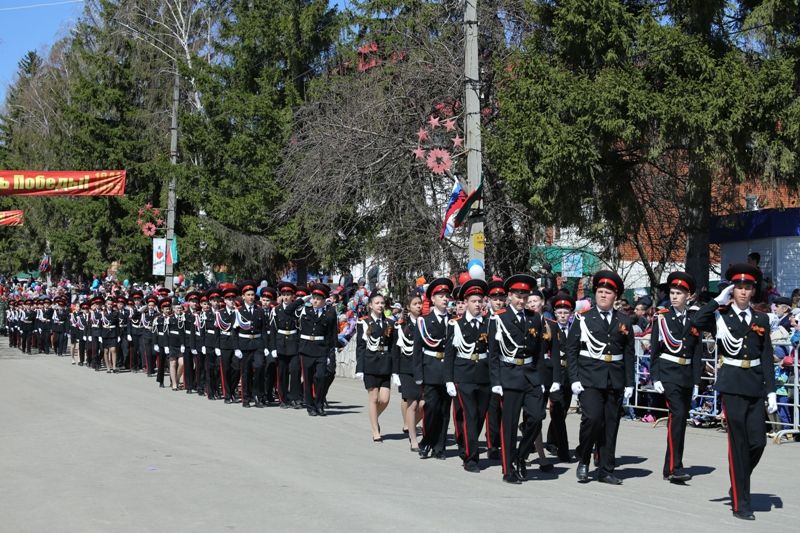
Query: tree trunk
[[698, 219]]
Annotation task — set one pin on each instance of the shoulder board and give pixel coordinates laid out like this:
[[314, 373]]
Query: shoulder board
[[664, 311], [500, 312]]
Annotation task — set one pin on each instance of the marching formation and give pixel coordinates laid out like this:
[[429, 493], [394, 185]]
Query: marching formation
[[494, 366]]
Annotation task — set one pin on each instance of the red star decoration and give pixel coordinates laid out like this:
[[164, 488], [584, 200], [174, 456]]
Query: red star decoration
[[434, 122], [419, 153], [422, 135], [458, 141], [449, 124]]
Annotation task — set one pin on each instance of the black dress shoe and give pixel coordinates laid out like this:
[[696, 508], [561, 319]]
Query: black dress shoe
[[744, 515], [284, 405], [321, 412], [259, 403], [297, 405], [424, 452], [493, 453], [312, 412], [246, 404], [228, 400], [440, 455], [679, 477], [552, 449], [582, 473], [521, 469], [512, 479], [546, 467], [189, 391], [611, 479], [160, 385], [472, 468]]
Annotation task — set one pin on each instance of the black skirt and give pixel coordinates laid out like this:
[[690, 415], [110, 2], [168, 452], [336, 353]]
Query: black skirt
[[409, 390], [376, 381]]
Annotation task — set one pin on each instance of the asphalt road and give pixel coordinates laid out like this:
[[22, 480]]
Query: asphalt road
[[92, 452]]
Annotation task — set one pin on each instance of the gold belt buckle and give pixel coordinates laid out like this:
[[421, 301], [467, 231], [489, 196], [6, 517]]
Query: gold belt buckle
[[519, 361], [474, 357], [682, 361], [439, 355], [745, 363], [607, 358]]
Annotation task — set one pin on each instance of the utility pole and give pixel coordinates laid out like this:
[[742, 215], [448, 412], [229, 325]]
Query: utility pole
[[173, 158], [472, 123]]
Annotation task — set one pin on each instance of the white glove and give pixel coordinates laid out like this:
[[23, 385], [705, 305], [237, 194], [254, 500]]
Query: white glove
[[203, 350], [395, 380], [725, 296], [658, 387], [628, 393], [418, 382], [772, 403], [577, 388], [217, 352], [497, 389], [130, 338], [166, 350], [451, 389], [695, 392], [555, 387], [266, 352], [155, 348], [238, 354], [183, 349], [83, 338], [359, 375], [274, 354], [194, 351]]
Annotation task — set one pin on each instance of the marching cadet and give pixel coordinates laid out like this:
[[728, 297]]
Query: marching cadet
[[11, 323], [77, 333], [161, 338], [515, 345], [268, 297], [285, 344], [317, 327], [199, 343], [403, 368], [430, 338], [60, 325], [497, 302], [124, 333], [191, 331], [224, 321], [110, 331], [466, 369], [560, 399], [676, 354], [96, 331], [81, 333], [136, 330], [744, 376], [28, 325], [249, 343], [177, 344], [209, 305], [373, 361], [600, 362], [149, 316], [45, 326]]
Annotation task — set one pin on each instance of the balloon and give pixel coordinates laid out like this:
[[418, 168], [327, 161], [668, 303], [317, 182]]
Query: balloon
[[463, 278], [475, 262], [476, 272], [126, 283]]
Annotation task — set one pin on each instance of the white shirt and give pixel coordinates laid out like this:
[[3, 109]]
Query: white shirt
[[738, 312], [470, 318]]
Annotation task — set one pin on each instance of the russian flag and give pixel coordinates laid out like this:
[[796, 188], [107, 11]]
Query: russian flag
[[457, 200]]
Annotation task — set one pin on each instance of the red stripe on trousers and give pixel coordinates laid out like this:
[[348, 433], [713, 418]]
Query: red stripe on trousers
[[731, 471], [670, 446], [503, 442], [463, 421]]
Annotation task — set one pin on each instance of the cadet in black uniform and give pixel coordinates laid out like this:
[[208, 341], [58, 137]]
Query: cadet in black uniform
[[317, 326], [162, 345], [60, 326], [497, 302], [110, 331], [676, 364], [374, 335], [744, 378], [96, 331], [224, 324], [285, 343], [466, 369], [28, 318], [199, 351], [149, 316], [250, 344], [515, 345], [560, 400], [123, 333], [600, 361], [211, 343], [191, 333], [403, 367], [429, 342], [78, 321], [269, 297]]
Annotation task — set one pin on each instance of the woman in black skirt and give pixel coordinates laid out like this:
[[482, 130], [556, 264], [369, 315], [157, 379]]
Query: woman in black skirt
[[373, 360], [403, 368]]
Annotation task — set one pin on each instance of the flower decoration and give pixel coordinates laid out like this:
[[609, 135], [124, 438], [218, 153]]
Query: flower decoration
[[622, 329], [758, 329], [149, 219], [439, 161], [149, 229]]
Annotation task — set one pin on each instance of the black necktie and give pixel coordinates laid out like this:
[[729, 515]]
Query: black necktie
[[682, 319], [521, 315], [605, 316], [743, 316], [475, 324], [379, 323]]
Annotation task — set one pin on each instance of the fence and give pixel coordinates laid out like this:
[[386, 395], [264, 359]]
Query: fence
[[705, 408]]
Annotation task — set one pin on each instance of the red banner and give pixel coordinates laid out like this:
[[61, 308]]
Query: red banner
[[11, 218], [62, 183]]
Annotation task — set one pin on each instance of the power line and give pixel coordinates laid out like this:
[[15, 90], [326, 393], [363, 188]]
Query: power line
[[47, 4]]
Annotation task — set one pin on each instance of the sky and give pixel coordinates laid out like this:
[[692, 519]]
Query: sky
[[35, 25]]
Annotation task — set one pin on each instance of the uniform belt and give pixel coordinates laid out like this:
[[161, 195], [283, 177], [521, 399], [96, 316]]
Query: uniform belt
[[225, 333], [437, 355], [174, 332], [607, 357], [312, 337], [380, 349], [287, 331], [198, 333], [741, 363], [517, 360], [210, 331], [474, 356], [109, 327], [680, 360], [249, 335]]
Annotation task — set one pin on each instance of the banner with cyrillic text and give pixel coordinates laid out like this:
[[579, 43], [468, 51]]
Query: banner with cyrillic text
[[11, 218], [62, 183]]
